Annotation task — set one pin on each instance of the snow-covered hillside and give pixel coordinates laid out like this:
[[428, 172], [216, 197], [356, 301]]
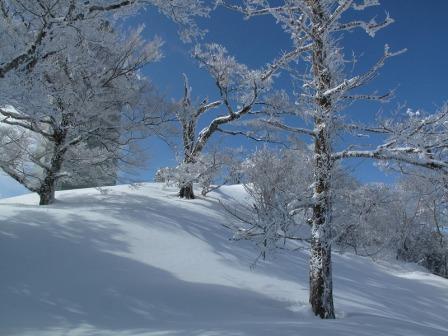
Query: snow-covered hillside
[[144, 262]]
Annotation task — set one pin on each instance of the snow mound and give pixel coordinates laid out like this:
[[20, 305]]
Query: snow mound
[[140, 261]]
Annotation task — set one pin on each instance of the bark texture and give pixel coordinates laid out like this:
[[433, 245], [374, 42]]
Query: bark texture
[[52, 173], [188, 136], [186, 191], [188, 120], [321, 284]]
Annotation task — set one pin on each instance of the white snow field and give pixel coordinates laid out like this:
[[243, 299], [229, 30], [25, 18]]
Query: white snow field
[[144, 262]]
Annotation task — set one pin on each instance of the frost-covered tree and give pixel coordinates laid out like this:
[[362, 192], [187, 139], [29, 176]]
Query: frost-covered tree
[[210, 171], [367, 219], [36, 33], [240, 91], [423, 233], [31, 29], [81, 98], [188, 116], [277, 182], [316, 28], [16, 142], [406, 221]]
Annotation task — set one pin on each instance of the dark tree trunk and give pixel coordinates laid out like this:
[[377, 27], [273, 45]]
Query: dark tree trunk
[[186, 191], [188, 128], [46, 192], [321, 283], [48, 187]]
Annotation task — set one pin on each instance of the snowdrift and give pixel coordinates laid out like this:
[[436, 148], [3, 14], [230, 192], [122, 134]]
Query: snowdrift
[[140, 261]]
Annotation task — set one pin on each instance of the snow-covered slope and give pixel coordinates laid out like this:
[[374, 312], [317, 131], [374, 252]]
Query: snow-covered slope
[[143, 262]]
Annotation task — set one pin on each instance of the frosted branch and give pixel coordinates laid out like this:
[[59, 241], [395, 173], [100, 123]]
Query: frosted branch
[[358, 81], [371, 27]]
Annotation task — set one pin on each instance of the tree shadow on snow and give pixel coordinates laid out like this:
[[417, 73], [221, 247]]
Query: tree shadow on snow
[[68, 274], [54, 275]]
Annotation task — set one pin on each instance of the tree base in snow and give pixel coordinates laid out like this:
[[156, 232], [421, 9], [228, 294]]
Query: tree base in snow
[[46, 199], [187, 192], [321, 284]]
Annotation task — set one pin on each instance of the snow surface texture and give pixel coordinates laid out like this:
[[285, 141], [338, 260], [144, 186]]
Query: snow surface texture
[[144, 262]]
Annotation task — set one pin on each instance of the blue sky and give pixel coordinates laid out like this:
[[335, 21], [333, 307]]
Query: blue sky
[[419, 76]]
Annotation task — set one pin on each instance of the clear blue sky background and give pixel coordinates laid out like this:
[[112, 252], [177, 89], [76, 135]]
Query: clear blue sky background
[[419, 76]]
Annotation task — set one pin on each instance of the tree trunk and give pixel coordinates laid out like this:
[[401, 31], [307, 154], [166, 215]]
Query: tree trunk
[[321, 283], [186, 191], [186, 188], [48, 186], [47, 189], [188, 136]]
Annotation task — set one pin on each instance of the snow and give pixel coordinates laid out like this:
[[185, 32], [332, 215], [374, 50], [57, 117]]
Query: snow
[[140, 261]]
